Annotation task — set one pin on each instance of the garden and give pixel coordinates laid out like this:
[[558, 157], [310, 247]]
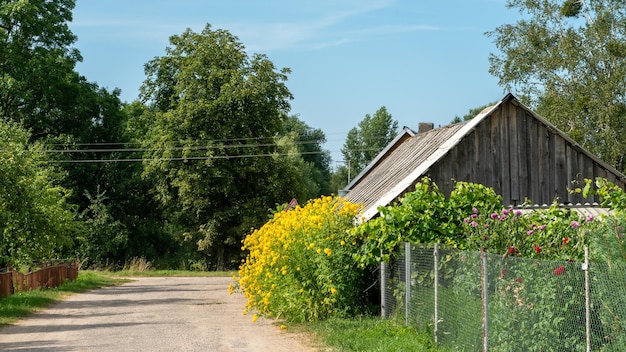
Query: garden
[[315, 262]]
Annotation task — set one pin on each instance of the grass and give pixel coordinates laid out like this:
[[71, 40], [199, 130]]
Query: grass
[[22, 304], [369, 334]]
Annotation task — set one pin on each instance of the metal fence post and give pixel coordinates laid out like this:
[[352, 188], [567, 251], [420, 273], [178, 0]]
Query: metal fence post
[[483, 277], [407, 281], [436, 287], [383, 289], [587, 300]]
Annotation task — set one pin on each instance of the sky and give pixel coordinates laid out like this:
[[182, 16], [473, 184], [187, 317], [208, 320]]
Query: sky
[[425, 61]]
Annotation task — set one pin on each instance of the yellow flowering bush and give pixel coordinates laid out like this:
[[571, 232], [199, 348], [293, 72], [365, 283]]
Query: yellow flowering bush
[[299, 264]]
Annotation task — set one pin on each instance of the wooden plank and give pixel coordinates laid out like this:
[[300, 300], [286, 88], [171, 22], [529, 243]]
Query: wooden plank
[[503, 147], [485, 157], [523, 155], [494, 136], [514, 134], [551, 161], [573, 176], [560, 173], [535, 177]]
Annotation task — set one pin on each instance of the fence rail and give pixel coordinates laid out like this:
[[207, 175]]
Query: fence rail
[[51, 276], [474, 301]]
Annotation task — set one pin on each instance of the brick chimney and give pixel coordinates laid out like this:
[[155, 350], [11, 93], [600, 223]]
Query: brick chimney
[[425, 126]]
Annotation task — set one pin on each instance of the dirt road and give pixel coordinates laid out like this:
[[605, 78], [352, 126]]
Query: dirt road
[[151, 314]]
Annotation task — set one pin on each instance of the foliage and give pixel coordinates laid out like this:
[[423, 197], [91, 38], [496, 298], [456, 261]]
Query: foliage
[[35, 59], [300, 267], [423, 216], [567, 60], [36, 221], [104, 237], [315, 165], [214, 114], [554, 233], [366, 140]]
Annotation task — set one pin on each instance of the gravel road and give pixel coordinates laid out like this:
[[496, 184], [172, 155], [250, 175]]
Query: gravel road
[[151, 314]]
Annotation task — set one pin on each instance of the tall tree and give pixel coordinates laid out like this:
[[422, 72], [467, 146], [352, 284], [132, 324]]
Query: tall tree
[[366, 140], [316, 160], [567, 59], [212, 142], [36, 221], [37, 64]]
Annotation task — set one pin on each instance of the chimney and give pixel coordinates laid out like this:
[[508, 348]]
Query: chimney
[[425, 126]]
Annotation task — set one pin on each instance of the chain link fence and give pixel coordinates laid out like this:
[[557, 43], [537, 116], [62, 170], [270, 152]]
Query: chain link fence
[[473, 301]]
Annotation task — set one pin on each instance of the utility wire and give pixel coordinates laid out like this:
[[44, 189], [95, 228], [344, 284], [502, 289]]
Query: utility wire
[[240, 156]]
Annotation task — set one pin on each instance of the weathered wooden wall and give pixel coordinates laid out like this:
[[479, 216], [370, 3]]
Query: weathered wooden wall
[[521, 158]]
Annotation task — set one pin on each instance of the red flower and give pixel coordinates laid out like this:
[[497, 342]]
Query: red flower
[[565, 240], [504, 271], [511, 250], [519, 279], [560, 270], [537, 249]]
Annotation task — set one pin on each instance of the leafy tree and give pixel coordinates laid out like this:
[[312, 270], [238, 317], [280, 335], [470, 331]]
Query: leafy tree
[[216, 113], [366, 140], [317, 160], [36, 221], [568, 61], [37, 78]]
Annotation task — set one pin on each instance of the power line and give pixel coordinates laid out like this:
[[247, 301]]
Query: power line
[[79, 161], [191, 147]]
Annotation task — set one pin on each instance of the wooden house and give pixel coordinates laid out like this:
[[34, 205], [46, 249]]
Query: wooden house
[[507, 146]]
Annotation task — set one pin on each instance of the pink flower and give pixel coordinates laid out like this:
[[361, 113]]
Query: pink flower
[[474, 216], [474, 210], [529, 232], [494, 216], [589, 218], [474, 224], [542, 227], [517, 212], [505, 212], [575, 224], [560, 270], [466, 220]]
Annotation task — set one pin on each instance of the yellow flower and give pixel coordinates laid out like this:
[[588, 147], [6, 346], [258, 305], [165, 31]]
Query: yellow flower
[[343, 243], [328, 251], [283, 327], [254, 318], [333, 291], [319, 250]]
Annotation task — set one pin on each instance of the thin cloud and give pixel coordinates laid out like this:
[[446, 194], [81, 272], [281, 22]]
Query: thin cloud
[[333, 24]]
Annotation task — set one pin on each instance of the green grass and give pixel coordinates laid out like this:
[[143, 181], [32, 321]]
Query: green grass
[[370, 334], [20, 305]]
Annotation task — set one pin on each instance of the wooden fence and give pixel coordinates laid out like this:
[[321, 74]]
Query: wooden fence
[[48, 277]]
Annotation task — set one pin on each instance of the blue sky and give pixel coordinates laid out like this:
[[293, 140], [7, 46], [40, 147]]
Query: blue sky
[[426, 61]]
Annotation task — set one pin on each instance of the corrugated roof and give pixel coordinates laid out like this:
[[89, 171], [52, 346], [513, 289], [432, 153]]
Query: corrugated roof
[[393, 170]]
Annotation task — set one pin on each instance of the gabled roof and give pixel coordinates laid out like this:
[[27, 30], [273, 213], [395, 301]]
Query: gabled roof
[[405, 160], [403, 135]]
